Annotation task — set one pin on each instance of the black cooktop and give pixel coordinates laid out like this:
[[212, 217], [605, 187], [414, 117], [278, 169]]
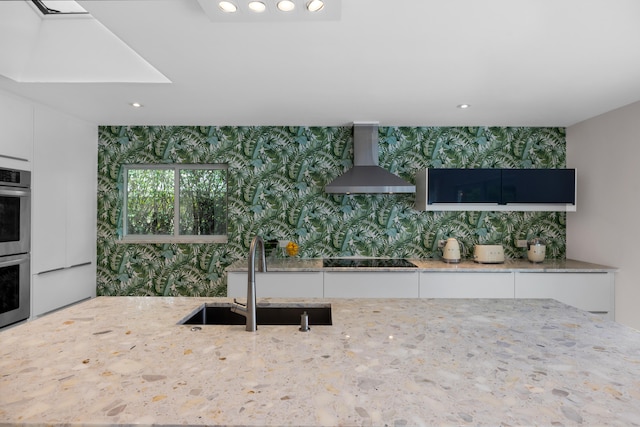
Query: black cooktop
[[367, 262]]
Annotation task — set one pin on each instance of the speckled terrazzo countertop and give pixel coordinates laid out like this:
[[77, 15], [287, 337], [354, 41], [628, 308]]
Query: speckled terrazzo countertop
[[548, 266], [124, 360]]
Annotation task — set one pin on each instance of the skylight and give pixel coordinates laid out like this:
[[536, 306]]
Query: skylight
[[59, 7]]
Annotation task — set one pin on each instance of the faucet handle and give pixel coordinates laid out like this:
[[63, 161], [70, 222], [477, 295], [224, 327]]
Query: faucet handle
[[235, 301]]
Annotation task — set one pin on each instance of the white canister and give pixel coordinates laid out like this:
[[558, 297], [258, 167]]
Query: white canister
[[536, 250]]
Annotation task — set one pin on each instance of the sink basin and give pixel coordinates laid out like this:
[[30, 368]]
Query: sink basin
[[221, 314]]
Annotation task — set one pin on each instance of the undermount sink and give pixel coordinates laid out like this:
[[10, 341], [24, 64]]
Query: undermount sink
[[273, 314]]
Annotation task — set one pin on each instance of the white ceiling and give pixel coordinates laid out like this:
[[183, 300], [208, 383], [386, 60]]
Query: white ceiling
[[399, 62]]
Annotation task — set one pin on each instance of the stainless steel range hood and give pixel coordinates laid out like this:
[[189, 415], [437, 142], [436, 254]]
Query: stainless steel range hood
[[366, 176]]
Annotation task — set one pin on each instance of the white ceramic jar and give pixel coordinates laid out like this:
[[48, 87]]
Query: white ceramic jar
[[536, 250]]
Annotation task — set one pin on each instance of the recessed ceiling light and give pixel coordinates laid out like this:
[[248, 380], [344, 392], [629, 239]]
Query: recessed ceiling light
[[136, 105], [227, 6], [315, 5], [257, 6], [463, 106], [286, 5]]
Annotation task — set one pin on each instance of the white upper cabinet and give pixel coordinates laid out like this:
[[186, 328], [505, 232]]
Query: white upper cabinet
[[16, 132]]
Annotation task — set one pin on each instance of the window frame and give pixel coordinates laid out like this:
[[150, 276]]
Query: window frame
[[176, 237]]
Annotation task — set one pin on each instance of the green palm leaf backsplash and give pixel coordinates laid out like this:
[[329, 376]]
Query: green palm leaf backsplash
[[276, 179]]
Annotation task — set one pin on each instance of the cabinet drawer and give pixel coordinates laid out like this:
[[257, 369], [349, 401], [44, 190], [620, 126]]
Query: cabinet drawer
[[466, 285], [371, 284], [587, 291], [59, 288], [295, 284]]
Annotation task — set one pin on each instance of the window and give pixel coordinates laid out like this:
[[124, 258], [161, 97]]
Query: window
[[175, 203], [59, 7]]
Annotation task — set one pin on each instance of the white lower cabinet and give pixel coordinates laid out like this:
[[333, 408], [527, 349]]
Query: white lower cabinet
[[59, 288], [592, 292], [371, 284], [466, 285], [285, 284]]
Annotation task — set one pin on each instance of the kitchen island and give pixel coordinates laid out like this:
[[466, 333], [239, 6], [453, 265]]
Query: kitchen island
[[127, 360]]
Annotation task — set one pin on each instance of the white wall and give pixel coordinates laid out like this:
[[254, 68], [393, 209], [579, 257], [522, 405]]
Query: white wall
[[606, 227]]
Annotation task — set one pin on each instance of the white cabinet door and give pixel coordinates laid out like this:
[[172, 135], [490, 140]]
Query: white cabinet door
[[64, 191], [16, 131], [294, 284], [466, 285], [60, 288], [587, 291], [81, 197], [49, 192], [371, 284]]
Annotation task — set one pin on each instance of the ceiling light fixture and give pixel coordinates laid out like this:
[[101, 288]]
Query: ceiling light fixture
[[270, 10], [463, 106], [315, 5], [257, 6], [286, 5], [227, 6], [136, 105]]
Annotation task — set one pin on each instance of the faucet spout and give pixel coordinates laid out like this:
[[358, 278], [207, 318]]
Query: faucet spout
[[249, 311]]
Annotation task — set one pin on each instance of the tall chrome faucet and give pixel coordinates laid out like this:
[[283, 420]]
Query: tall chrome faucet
[[249, 310]]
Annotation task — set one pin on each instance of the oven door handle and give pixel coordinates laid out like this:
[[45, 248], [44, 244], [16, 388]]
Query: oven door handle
[[14, 261], [4, 191]]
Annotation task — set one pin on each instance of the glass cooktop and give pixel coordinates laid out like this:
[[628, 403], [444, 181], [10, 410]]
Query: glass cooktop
[[367, 262]]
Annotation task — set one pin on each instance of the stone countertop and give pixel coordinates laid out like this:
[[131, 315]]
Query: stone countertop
[[125, 360], [434, 265]]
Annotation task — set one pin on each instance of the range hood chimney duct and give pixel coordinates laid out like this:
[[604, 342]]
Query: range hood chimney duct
[[366, 176]]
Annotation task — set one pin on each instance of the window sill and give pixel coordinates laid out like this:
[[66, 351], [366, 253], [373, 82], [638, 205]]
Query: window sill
[[172, 239]]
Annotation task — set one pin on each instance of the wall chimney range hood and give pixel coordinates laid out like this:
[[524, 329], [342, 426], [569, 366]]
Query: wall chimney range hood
[[366, 176]]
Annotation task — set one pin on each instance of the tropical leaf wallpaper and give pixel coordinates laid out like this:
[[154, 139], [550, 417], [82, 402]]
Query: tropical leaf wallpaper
[[276, 180]]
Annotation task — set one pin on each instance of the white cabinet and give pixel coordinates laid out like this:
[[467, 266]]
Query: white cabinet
[[59, 288], [588, 291], [466, 285], [16, 132], [82, 191], [371, 284], [591, 291], [286, 284], [64, 205], [49, 188]]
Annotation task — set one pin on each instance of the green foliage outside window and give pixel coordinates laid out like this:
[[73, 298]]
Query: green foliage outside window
[[203, 202], [150, 201], [192, 196]]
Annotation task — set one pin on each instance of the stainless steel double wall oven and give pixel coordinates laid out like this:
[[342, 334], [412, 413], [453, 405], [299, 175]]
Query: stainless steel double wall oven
[[15, 245]]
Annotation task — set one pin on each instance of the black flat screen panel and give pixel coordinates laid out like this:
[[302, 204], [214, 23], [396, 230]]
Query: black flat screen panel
[[538, 186], [464, 186]]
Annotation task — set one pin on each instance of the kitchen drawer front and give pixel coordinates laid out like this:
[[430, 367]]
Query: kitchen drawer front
[[371, 284], [587, 291], [466, 285], [59, 288], [294, 284]]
